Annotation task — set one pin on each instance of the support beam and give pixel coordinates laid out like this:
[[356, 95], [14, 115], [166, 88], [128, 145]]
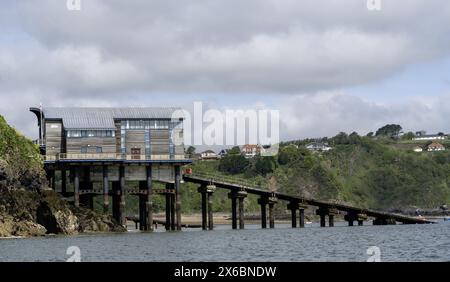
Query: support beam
[[105, 190], [116, 201], [293, 207], [178, 196], [168, 217], [149, 199], [172, 207], [351, 217], [241, 195], [294, 218], [210, 190], [301, 219], [53, 180], [272, 201], [142, 207], [331, 220], [263, 203], [123, 220], [202, 191], [322, 212], [331, 213], [233, 197], [76, 184], [63, 182]]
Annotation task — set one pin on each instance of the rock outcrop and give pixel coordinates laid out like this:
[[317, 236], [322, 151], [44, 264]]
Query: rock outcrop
[[27, 206]]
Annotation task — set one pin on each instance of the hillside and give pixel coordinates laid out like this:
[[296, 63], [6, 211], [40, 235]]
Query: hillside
[[27, 206], [362, 171]]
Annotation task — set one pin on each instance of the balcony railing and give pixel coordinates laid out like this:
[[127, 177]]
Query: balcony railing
[[112, 156]]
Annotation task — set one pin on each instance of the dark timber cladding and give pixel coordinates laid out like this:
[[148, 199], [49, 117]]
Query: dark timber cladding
[[104, 150]]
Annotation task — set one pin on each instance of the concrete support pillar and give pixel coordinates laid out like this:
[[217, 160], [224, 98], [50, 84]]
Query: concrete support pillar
[[202, 191], [53, 180], [123, 220], [322, 212], [263, 203], [351, 217], [272, 201], [294, 218], [178, 196], [149, 199], [293, 207], [87, 200], [142, 206], [63, 182], [233, 197], [301, 219], [322, 220], [168, 205], [76, 184], [241, 195], [210, 190], [105, 190], [331, 214], [330, 220], [116, 201], [172, 206]]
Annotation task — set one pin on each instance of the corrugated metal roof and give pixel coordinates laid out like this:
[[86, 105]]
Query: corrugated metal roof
[[103, 118]]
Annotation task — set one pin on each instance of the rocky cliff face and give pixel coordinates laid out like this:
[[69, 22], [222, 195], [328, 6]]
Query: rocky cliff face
[[27, 206]]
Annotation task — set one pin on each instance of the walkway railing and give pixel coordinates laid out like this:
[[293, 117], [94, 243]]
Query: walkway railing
[[245, 183], [111, 156]]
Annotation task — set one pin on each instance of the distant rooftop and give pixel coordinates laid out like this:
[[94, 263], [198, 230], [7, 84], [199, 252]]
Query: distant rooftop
[[103, 118]]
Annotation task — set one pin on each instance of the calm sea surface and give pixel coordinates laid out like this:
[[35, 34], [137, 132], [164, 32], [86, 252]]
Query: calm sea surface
[[341, 243]]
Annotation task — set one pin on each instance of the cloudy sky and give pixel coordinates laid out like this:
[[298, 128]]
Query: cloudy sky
[[326, 65]]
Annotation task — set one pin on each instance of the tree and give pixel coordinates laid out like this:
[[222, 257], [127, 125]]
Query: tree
[[370, 134], [233, 162], [389, 130], [234, 151], [341, 138], [408, 136], [288, 154], [190, 151], [264, 165]]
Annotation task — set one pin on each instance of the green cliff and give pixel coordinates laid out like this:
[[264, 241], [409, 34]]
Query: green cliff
[[27, 206]]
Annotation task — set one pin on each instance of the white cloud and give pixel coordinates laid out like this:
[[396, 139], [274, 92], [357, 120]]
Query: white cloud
[[328, 113], [134, 52]]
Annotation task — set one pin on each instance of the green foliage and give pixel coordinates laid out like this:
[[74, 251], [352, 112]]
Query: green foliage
[[408, 136], [190, 151], [389, 130], [233, 163], [20, 157], [362, 171], [261, 166]]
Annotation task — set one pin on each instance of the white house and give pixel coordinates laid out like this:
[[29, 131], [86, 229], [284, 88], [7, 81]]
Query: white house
[[209, 155], [421, 135], [318, 147], [433, 147], [251, 150], [418, 149]]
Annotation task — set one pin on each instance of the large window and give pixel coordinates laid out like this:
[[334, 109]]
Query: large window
[[90, 133], [145, 124]]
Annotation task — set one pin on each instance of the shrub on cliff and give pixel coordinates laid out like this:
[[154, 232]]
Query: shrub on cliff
[[20, 161]]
